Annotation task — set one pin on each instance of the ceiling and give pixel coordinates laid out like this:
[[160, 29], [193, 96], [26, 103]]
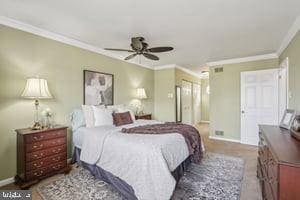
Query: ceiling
[[201, 31]]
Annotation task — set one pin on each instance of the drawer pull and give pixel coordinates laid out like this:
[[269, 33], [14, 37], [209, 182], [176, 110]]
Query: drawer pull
[[56, 159], [36, 165], [38, 147], [38, 138], [56, 167], [56, 150], [38, 156], [38, 174]]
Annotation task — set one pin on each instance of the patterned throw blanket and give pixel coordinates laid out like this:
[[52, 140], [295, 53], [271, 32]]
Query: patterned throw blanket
[[190, 134]]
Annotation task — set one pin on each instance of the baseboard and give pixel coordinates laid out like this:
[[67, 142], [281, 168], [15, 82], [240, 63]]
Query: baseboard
[[205, 122], [69, 160], [224, 139], [7, 181]]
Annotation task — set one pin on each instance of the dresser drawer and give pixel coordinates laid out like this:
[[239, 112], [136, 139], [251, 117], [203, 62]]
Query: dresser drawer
[[31, 147], [41, 163], [35, 174], [44, 153], [36, 137]]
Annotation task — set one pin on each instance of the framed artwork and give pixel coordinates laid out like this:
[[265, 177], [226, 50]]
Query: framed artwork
[[287, 119], [98, 88]]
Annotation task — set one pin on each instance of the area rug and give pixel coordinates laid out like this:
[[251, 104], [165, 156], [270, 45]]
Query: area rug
[[218, 177]]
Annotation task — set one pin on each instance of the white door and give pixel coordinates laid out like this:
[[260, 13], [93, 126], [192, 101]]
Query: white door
[[196, 103], [259, 102], [283, 87], [186, 102]]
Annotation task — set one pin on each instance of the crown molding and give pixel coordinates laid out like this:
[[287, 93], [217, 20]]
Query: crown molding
[[61, 38], [244, 59], [190, 72], [289, 36]]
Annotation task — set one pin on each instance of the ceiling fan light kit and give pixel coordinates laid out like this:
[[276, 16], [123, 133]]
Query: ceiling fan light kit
[[139, 47]]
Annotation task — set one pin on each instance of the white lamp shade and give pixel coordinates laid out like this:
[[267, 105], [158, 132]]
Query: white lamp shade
[[36, 88], [141, 94]]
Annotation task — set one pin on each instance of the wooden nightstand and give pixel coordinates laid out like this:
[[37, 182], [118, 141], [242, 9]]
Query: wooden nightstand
[[40, 154], [144, 116]]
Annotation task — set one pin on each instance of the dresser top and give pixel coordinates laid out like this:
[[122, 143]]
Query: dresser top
[[282, 145], [24, 131]]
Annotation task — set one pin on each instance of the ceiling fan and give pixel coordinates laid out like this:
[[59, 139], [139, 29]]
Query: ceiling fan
[[139, 47]]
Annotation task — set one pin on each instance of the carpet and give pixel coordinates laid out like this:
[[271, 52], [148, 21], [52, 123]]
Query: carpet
[[218, 177]]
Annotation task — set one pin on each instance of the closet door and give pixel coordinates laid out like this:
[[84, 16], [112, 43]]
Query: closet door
[[196, 103], [187, 99]]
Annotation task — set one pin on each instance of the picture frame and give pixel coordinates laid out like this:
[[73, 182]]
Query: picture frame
[[288, 119], [98, 88]]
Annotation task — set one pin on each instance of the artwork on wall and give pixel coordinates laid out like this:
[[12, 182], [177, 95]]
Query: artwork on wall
[[98, 88]]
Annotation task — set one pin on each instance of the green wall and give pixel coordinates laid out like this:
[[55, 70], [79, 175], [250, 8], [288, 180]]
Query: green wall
[[24, 55], [293, 53], [225, 96], [164, 83], [204, 100]]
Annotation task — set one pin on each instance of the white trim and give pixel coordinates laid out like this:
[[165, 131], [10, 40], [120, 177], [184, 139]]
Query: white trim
[[289, 36], [203, 121], [224, 139], [7, 181], [244, 59], [61, 38], [178, 67]]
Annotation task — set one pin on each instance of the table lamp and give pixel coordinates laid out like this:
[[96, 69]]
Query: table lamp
[[141, 94], [36, 88]]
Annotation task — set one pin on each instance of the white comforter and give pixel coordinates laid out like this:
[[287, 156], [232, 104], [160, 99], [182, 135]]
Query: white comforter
[[144, 161]]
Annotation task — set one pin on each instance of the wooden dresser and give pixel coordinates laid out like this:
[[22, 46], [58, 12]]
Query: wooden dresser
[[40, 154], [144, 116], [278, 164]]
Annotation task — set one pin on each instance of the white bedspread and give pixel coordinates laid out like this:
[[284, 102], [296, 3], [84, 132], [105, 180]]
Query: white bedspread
[[144, 161]]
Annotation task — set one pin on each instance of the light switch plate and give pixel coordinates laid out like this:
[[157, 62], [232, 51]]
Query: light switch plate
[[170, 95]]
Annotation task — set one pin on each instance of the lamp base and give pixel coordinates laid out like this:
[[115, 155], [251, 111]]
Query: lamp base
[[36, 126]]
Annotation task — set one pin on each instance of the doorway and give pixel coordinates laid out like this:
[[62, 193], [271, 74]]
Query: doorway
[[259, 102], [283, 87], [186, 98]]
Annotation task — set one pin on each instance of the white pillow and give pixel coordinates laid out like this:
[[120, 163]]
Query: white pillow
[[115, 108], [103, 116], [125, 109], [88, 113]]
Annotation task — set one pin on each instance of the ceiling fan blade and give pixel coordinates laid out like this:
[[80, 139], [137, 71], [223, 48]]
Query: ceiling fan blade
[[127, 50], [130, 56], [160, 49], [150, 56]]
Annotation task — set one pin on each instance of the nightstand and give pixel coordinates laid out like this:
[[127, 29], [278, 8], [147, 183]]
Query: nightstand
[[40, 154], [144, 116]]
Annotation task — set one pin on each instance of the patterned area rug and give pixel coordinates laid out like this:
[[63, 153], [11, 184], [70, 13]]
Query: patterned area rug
[[217, 178]]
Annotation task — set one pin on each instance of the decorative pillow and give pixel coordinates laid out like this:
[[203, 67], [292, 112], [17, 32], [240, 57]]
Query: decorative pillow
[[103, 116], [125, 109], [122, 118]]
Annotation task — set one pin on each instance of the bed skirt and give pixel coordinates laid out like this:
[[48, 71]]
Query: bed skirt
[[120, 185]]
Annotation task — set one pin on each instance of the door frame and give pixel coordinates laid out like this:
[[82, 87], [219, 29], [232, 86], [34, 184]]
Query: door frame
[[283, 65], [243, 139]]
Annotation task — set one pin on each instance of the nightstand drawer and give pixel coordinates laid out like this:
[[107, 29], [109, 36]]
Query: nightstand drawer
[[44, 153], [35, 174], [41, 163], [36, 137], [45, 144]]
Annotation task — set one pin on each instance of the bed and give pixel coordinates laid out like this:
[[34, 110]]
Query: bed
[[138, 166]]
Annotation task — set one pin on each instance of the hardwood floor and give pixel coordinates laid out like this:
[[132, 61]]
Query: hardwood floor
[[250, 185]]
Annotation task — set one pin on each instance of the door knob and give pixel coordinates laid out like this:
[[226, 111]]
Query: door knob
[[243, 112]]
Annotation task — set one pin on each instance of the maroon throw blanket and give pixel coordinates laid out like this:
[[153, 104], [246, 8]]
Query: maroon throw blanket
[[190, 134]]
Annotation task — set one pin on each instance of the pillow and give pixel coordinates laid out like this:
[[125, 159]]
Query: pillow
[[102, 116], [88, 113], [115, 108], [124, 109], [122, 118], [77, 119]]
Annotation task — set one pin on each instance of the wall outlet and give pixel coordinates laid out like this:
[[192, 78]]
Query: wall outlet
[[219, 133]]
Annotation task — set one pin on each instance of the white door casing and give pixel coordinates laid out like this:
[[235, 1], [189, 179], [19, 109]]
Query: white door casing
[[259, 102], [283, 87], [196, 103], [186, 102]]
